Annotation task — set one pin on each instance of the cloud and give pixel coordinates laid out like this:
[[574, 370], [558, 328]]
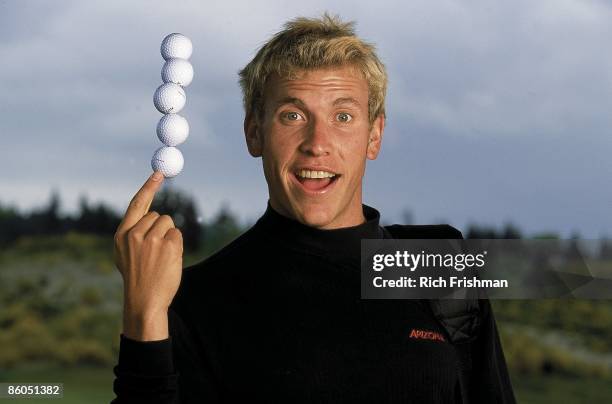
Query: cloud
[[472, 84]]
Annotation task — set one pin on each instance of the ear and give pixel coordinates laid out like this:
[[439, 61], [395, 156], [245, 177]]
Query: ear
[[375, 138], [252, 133]]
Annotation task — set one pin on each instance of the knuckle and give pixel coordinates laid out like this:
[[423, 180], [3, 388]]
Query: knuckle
[[167, 219], [136, 203], [135, 234], [173, 246], [154, 239]]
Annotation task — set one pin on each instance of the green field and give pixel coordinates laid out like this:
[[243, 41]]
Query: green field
[[559, 389], [94, 385], [61, 299], [81, 385]]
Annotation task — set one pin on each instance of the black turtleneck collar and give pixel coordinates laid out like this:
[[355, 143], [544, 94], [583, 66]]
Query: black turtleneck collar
[[343, 242]]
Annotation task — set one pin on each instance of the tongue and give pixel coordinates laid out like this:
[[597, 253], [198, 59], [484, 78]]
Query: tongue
[[314, 184]]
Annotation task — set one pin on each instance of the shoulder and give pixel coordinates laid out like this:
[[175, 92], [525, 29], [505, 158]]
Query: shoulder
[[218, 277], [232, 250], [434, 231], [236, 250], [219, 270]]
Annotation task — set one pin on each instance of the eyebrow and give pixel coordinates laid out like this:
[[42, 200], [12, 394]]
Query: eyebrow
[[346, 100], [300, 103], [289, 100]]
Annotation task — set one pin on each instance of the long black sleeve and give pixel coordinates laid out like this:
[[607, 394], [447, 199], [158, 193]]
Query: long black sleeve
[[490, 382], [147, 372]]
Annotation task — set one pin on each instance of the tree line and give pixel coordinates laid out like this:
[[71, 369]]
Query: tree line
[[99, 218]]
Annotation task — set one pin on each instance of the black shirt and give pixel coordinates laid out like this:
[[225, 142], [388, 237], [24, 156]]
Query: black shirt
[[277, 317]]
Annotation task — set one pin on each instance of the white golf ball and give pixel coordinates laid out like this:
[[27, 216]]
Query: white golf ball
[[178, 71], [176, 46], [169, 98], [168, 160], [172, 129]]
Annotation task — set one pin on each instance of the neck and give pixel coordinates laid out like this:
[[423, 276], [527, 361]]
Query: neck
[[339, 242], [349, 216]]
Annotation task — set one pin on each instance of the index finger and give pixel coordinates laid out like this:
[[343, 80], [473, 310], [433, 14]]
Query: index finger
[[140, 203]]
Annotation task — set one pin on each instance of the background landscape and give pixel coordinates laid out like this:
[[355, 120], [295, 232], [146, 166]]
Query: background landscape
[[498, 124], [61, 300]]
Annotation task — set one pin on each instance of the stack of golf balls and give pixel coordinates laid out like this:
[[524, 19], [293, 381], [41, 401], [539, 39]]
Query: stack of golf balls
[[169, 99]]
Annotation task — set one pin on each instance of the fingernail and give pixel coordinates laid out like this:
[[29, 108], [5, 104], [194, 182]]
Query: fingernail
[[156, 176]]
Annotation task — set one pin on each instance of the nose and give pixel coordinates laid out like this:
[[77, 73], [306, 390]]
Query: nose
[[317, 140]]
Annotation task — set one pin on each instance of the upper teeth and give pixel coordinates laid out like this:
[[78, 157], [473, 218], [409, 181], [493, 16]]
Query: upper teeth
[[315, 174]]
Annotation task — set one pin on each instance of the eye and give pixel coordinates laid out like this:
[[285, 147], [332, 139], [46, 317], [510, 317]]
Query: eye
[[344, 117], [291, 116]]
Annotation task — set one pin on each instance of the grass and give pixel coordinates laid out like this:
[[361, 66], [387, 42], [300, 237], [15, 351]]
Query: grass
[[560, 389], [65, 291], [94, 385], [81, 385]]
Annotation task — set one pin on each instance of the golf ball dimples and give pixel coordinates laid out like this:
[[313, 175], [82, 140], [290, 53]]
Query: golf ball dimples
[[177, 71], [168, 160], [169, 98], [176, 46], [172, 129]]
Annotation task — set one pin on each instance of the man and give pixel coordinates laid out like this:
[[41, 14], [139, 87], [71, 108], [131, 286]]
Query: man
[[276, 316]]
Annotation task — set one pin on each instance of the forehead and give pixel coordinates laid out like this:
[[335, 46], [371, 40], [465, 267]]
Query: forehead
[[335, 81]]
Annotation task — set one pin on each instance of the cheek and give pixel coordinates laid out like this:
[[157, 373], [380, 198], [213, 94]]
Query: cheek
[[353, 153], [277, 154], [285, 139]]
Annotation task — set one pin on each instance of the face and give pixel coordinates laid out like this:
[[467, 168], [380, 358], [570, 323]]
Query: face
[[314, 138]]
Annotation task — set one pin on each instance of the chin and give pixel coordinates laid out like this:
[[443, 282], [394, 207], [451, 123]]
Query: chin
[[315, 216]]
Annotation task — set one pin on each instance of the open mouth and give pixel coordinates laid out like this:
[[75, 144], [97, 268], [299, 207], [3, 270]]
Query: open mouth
[[316, 181]]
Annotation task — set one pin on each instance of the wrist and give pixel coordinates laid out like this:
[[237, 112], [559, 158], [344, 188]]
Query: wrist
[[145, 326]]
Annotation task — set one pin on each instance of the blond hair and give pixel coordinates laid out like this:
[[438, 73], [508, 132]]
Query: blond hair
[[313, 43]]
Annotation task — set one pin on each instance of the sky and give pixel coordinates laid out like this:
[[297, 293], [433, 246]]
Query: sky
[[498, 111]]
